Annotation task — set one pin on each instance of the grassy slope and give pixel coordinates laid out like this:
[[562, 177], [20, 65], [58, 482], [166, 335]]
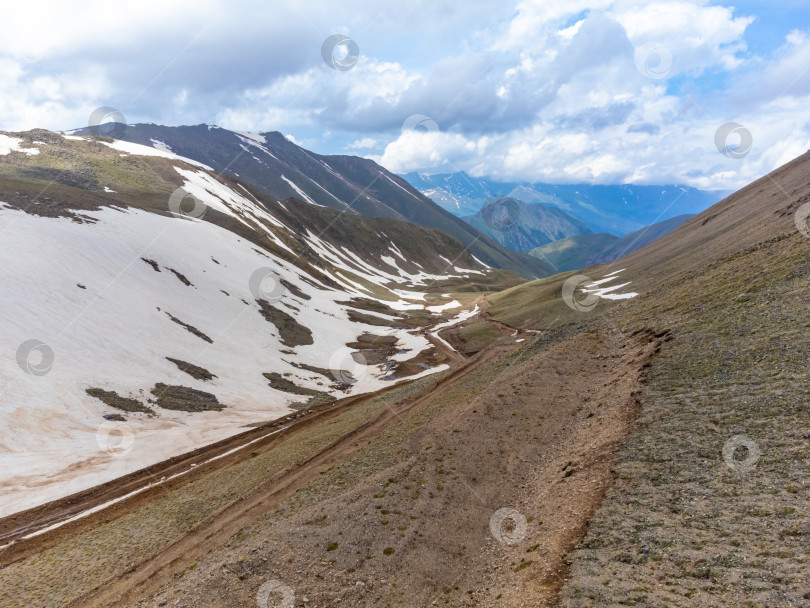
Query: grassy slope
[[732, 285], [573, 252], [584, 250]]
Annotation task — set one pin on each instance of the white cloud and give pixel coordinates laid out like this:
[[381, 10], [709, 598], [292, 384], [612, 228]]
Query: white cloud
[[363, 144], [536, 90]]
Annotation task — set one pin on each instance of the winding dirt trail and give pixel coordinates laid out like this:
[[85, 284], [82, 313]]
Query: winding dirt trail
[[155, 570], [29, 532]]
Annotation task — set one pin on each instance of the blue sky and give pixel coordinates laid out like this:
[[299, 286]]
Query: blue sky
[[596, 91]]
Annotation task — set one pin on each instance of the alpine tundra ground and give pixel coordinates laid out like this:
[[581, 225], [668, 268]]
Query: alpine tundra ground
[[650, 451]]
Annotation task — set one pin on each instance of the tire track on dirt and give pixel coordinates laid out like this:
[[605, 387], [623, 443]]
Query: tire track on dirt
[[152, 572]]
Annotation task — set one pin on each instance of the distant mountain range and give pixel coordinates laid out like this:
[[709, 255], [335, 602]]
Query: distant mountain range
[[583, 250], [350, 184], [521, 226], [616, 209]]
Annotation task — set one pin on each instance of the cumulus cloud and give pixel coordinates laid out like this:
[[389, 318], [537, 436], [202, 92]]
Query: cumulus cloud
[[602, 91], [363, 144]]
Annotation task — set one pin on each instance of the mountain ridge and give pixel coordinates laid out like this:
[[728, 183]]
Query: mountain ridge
[[616, 209], [283, 169], [522, 226]]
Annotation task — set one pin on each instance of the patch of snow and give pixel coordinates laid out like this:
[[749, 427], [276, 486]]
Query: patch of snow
[[405, 190], [51, 445], [139, 150], [12, 144], [480, 262], [607, 292], [459, 318], [162, 146], [218, 196], [443, 307], [300, 192]]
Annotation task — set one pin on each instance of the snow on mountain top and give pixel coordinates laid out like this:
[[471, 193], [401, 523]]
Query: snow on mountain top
[[257, 137], [139, 150]]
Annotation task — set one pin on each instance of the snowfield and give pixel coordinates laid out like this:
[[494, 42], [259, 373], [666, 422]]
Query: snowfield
[[89, 293]]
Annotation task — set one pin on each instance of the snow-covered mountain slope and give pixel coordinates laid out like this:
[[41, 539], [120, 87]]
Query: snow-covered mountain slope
[[151, 306], [282, 169]]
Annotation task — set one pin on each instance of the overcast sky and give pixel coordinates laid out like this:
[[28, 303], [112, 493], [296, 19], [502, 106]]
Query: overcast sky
[[594, 91]]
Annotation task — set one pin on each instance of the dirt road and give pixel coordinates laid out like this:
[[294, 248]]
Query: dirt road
[[156, 570]]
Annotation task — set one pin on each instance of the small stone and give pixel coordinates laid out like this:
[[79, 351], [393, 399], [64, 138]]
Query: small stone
[[644, 549]]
